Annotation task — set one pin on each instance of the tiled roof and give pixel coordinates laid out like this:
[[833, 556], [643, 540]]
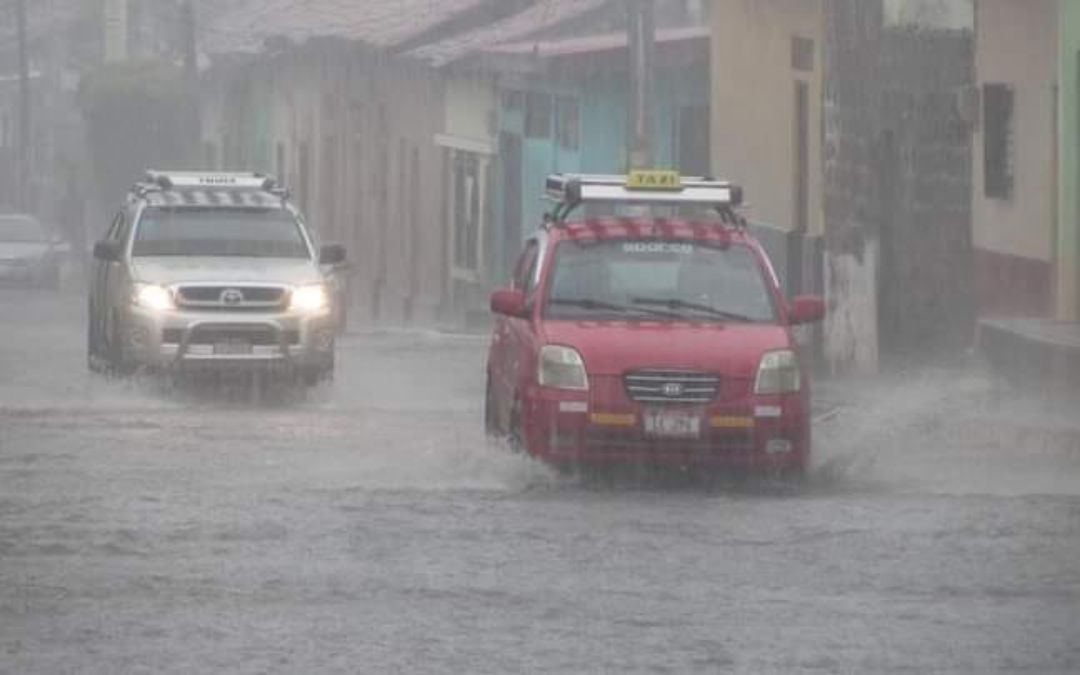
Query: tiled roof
[[543, 15], [593, 44], [380, 23]]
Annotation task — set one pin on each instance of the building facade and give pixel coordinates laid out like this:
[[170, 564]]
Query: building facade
[[351, 133], [846, 131], [1025, 159]]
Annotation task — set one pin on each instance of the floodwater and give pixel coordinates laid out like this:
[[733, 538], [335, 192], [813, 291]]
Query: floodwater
[[369, 527]]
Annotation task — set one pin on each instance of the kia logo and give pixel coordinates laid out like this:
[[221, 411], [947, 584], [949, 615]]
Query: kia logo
[[672, 389], [231, 296]]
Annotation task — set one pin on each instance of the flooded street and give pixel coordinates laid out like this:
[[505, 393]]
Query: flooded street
[[371, 528]]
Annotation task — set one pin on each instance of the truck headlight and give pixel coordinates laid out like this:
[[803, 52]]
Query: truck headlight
[[308, 299], [778, 373], [562, 368], [153, 297]]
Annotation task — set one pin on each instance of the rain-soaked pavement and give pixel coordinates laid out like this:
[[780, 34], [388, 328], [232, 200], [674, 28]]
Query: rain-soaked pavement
[[370, 528]]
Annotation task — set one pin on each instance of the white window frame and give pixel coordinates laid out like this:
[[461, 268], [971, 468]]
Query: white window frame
[[484, 153]]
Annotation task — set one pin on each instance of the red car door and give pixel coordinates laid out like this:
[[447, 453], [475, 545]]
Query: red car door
[[510, 339]]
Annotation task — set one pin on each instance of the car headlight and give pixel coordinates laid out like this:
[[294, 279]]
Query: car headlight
[[778, 373], [153, 297], [313, 298], [562, 368]]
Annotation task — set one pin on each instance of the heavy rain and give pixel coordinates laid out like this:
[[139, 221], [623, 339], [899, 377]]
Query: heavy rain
[[539, 336]]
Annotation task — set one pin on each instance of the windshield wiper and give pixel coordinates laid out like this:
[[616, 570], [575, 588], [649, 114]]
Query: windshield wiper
[[590, 303], [675, 303]]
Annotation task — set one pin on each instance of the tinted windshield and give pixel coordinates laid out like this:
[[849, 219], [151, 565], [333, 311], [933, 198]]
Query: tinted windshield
[[659, 280], [648, 211], [20, 229], [248, 233]]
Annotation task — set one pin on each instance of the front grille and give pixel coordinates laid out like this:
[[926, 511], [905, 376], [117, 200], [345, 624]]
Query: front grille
[[212, 334], [666, 386], [218, 333], [232, 298], [715, 442]]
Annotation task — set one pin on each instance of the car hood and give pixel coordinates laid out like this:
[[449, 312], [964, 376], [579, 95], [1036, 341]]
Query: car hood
[[614, 347], [175, 270], [17, 250]]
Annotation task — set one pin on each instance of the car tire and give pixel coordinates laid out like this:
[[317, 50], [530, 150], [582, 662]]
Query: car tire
[[120, 362], [515, 437], [93, 341], [491, 418], [50, 279]]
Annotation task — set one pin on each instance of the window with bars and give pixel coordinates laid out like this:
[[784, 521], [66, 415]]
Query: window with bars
[[468, 210], [538, 115], [569, 133], [998, 102]]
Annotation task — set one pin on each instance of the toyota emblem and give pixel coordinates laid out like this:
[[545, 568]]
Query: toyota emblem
[[231, 296], [673, 390]]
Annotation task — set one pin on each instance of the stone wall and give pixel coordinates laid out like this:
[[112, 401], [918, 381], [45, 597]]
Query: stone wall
[[897, 188]]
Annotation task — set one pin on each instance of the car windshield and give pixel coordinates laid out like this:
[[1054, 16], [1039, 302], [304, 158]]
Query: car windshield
[[247, 233], [21, 229], [647, 210], [662, 280]]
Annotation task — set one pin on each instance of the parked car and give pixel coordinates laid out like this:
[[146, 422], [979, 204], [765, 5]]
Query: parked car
[[657, 339], [29, 253], [212, 272]]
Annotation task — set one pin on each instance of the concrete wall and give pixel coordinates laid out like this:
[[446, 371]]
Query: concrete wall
[[753, 103], [1014, 237], [1068, 231]]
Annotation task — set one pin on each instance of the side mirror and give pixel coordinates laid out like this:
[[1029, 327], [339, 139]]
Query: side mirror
[[60, 245], [509, 303], [806, 309], [109, 251], [332, 254]]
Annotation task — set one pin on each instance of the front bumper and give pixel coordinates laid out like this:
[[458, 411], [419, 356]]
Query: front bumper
[[21, 270], [180, 339], [753, 432]]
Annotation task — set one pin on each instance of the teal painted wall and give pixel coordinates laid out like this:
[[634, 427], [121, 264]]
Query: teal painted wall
[[603, 101]]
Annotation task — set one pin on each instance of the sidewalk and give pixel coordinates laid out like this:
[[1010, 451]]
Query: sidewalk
[[1040, 353]]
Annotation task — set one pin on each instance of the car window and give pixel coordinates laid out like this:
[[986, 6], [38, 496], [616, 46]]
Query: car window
[[232, 232], [525, 269], [659, 279], [21, 229], [116, 227]]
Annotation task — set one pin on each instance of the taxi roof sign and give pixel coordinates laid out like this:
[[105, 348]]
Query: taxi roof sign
[[654, 180], [169, 180], [652, 187]]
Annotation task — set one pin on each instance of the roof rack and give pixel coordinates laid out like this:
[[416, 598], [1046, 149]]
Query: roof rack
[[569, 191]]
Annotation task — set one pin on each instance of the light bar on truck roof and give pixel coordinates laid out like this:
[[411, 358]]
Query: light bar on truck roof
[[171, 180], [642, 187]]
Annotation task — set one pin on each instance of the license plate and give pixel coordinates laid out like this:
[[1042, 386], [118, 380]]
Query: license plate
[[232, 348], [672, 424]]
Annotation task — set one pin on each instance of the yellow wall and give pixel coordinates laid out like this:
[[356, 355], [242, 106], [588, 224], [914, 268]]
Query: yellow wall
[[1016, 45], [753, 104]]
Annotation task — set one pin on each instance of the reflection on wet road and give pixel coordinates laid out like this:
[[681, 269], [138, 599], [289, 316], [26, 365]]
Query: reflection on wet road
[[370, 527]]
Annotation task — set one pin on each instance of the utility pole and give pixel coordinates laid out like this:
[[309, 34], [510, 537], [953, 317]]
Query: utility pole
[[115, 15], [641, 26], [189, 45], [24, 109]]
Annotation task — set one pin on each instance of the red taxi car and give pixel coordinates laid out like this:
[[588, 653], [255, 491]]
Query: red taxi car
[[651, 330]]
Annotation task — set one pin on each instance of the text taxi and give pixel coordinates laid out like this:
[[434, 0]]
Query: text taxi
[[650, 330]]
